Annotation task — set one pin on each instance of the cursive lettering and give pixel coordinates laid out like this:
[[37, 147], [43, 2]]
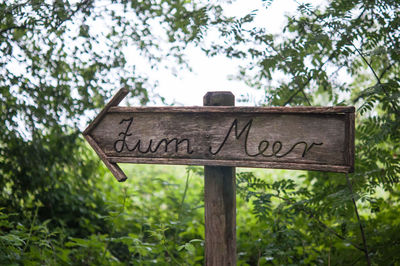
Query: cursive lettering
[[263, 145], [121, 143]]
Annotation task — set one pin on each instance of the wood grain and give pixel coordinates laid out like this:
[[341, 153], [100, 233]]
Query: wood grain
[[220, 215], [309, 138], [234, 163], [220, 202], [241, 109], [351, 140], [115, 100], [114, 168]]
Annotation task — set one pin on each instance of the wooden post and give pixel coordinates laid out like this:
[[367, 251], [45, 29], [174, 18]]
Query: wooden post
[[220, 201]]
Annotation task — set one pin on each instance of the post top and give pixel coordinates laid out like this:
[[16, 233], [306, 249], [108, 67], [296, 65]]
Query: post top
[[219, 98]]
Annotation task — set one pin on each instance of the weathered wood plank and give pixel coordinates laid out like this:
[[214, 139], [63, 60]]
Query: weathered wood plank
[[301, 138], [230, 109], [234, 163], [351, 140], [114, 168], [220, 215], [115, 100], [220, 202]]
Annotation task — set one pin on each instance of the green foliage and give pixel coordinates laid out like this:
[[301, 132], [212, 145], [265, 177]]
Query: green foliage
[[155, 219], [303, 226], [60, 60], [34, 245], [342, 53]]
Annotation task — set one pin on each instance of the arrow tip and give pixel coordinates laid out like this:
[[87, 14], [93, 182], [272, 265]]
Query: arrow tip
[[113, 167], [116, 171]]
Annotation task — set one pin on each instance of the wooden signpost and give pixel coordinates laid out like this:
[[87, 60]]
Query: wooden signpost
[[221, 137]]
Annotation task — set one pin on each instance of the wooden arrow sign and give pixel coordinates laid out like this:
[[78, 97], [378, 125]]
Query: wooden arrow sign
[[303, 138]]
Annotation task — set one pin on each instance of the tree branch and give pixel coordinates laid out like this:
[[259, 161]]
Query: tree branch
[[322, 224], [366, 61], [301, 89], [378, 78], [359, 221], [306, 97], [386, 70]]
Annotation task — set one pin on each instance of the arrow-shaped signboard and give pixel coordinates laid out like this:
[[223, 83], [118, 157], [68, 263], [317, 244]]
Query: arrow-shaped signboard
[[304, 138]]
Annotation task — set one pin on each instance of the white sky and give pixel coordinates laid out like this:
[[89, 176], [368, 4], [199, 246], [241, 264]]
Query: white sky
[[211, 74]]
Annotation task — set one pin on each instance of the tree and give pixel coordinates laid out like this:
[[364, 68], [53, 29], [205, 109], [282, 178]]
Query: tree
[[60, 60], [344, 52]]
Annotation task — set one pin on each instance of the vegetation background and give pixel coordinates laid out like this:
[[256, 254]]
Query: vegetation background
[[58, 203]]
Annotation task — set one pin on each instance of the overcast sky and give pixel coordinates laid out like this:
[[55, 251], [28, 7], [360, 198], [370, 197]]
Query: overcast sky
[[211, 74]]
